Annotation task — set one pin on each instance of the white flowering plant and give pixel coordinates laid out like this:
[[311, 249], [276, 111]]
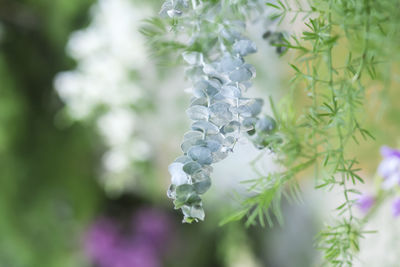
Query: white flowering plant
[[104, 88]]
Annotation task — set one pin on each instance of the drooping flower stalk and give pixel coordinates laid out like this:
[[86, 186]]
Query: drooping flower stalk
[[219, 110]]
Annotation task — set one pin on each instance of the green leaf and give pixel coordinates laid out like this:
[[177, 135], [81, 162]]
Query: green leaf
[[272, 5], [205, 127], [195, 212], [201, 154], [197, 112], [191, 167], [244, 47], [236, 216], [202, 186]]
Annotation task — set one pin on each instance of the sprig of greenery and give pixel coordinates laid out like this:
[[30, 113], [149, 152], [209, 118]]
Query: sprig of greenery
[[214, 49], [343, 47], [321, 133]]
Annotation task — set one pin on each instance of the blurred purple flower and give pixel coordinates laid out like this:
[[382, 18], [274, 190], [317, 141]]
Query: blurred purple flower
[[389, 152], [107, 245], [396, 207], [101, 240], [153, 227], [365, 202], [133, 255], [389, 168]]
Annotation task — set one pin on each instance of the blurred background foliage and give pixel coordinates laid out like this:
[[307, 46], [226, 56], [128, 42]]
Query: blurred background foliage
[[47, 174], [51, 169]]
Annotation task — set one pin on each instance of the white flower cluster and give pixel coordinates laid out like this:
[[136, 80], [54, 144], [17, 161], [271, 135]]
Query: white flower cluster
[[109, 53]]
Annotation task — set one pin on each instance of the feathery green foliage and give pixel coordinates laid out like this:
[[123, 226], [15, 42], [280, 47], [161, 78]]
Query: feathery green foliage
[[343, 47], [321, 133]]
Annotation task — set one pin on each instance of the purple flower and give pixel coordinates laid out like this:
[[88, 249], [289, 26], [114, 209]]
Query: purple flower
[[365, 202], [389, 152], [134, 255], [108, 244], [152, 226], [389, 168], [101, 240], [396, 207]]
